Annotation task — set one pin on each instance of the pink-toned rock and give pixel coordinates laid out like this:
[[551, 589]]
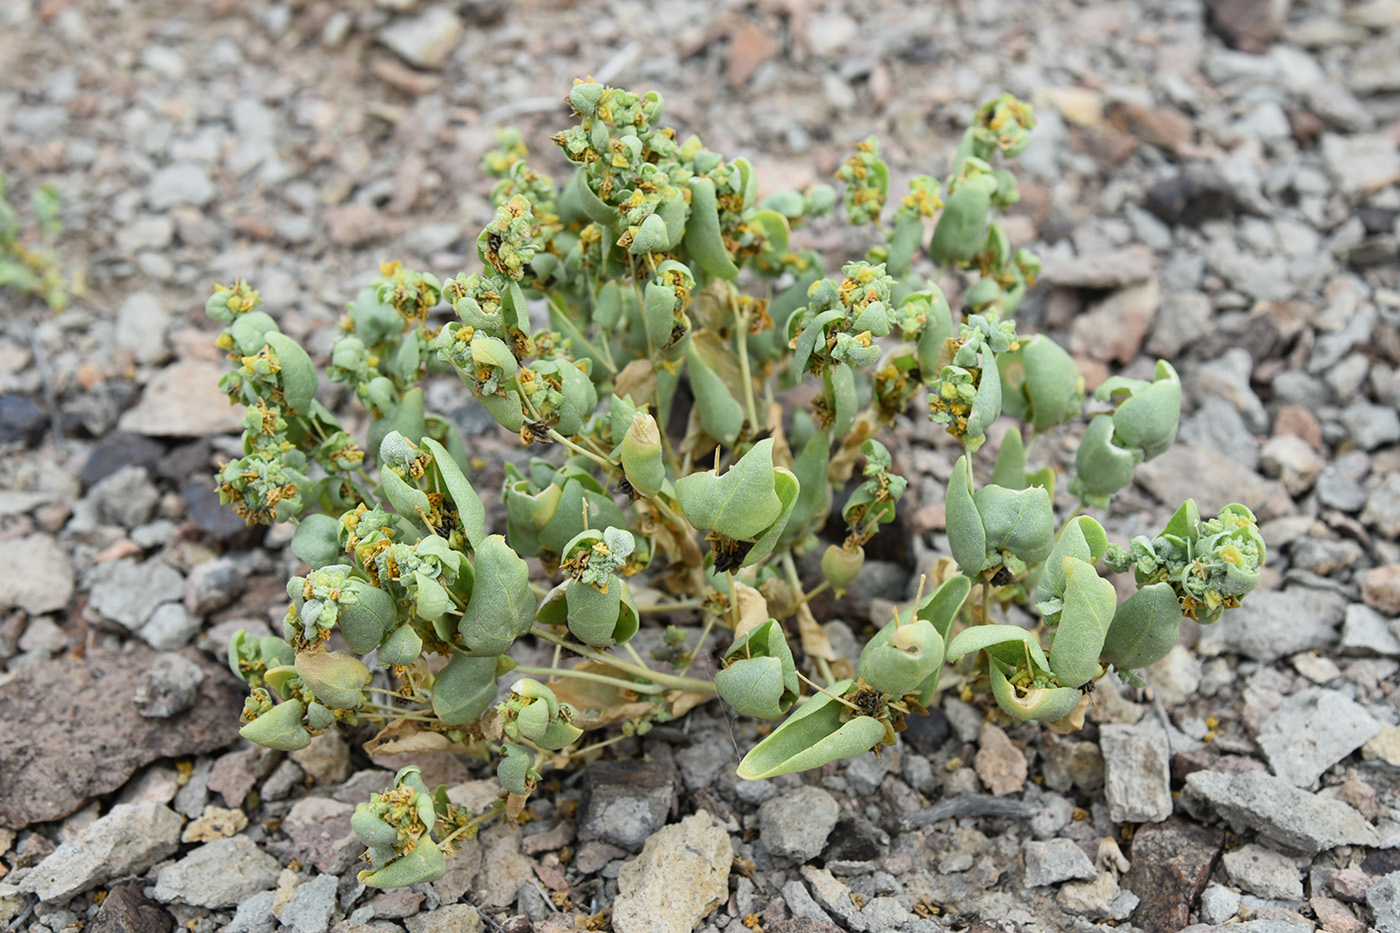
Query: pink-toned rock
[[1000, 765], [749, 47], [354, 224], [1380, 589], [1113, 330], [183, 400]]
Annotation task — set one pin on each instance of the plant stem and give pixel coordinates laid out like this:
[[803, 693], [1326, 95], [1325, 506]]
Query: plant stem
[[817, 590], [680, 605], [597, 745], [794, 581], [397, 713], [588, 675], [669, 681], [635, 656], [741, 340]]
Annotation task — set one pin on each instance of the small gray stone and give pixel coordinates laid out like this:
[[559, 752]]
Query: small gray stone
[[1264, 872], [38, 576], [803, 905], [1103, 270], [796, 824], [1340, 490], [1361, 162], [1292, 460], [625, 802], [1267, 626], [1183, 319], [1056, 860], [1383, 897], [127, 591], [1219, 425], [212, 585], [254, 915], [183, 184], [1313, 730], [702, 764], [141, 324], [424, 41], [451, 918], [127, 841], [864, 774], [321, 834], [1371, 426], [222, 873], [1282, 813], [1137, 779], [1367, 633], [1218, 904], [168, 687], [126, 498], [170, 627], [1382, 510], [681, 875], [311, 907], [326, 759]]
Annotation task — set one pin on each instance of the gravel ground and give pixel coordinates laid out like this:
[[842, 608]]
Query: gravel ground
[[1217, 184]]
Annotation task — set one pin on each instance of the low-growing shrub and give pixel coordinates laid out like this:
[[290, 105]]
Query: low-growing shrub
[[608, 329]]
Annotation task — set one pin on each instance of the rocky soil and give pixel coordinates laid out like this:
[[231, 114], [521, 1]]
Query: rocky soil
[[1213, 183]]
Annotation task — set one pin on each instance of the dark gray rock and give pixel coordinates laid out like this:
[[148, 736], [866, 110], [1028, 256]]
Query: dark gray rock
[[625, 802], [1268, 625], [212, 585], [169, 686], [1264, 872], [126, 910], [1055, 860], [796, 824], [127, 841], [1280, 812], [311, 907], [1383, 897], [222, 873], [94, 738], [1137, 766]]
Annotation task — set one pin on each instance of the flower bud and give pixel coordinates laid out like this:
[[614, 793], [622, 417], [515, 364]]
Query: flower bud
[[642, 457]]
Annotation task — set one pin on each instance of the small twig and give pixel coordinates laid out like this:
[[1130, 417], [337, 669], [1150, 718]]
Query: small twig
[[976, 805]]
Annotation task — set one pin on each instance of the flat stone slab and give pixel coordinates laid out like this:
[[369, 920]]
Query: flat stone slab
[[1281, 813], [1313, 730], [71, 732]]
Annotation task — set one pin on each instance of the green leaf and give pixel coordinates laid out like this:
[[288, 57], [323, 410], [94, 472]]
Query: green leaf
[[721, 415], [966, 536], [298, 373], [1145, 628], [337, 679], [464, 689], [1020, 521], [740, 504], [470, 511], [365, 616], [1043, 704], [279, 728], [1010, 469], [786, 486], [760, 678], [900, 658], [1008, 643], [1090, 602], [502, 606], [811, 737], [317, 540], [703, 240], [1081, 538], [424, 864]]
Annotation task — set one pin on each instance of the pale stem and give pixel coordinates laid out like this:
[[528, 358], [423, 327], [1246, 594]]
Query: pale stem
[[669, 681], [741, 340], [549, 672]]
